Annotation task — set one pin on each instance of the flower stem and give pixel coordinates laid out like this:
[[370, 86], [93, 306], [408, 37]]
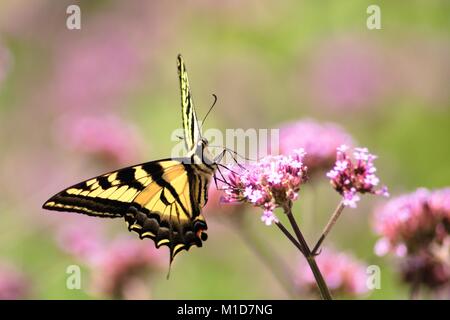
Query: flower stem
[[289, 236], [266, 255], [414, 293], [310, 258], [334, 217]]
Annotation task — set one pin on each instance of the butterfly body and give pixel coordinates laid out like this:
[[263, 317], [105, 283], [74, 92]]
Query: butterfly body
[[162, 199]]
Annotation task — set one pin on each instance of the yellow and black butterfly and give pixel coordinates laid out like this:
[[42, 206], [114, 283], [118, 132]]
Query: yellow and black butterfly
[[162, 199]]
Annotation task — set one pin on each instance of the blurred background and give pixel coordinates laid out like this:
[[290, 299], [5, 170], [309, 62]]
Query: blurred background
[[77, 103]]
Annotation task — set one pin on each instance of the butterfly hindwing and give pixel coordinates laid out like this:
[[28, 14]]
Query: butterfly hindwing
[[157, 199], [170, 213]]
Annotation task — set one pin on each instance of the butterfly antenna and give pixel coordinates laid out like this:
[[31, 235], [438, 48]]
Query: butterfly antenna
[[225, 149], [212, 106]]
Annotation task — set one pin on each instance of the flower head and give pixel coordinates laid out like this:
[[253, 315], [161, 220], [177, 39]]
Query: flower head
[[119, 268], [319, 140], [273, 182], [81, 239], [5, 63], [96, 74], [123, 264], [353, 175], [346, 74], [341, 271], [414, 220], [13, 283], [106, 137], [416, 228]]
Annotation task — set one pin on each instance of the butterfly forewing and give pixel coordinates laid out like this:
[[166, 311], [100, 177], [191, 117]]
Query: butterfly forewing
[[191, 128]]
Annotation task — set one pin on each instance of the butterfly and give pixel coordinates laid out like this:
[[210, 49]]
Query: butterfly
[[161, 200]]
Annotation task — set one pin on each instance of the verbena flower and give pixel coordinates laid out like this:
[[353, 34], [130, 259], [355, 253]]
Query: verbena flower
[[82, 239], [96, 74], [106, 137], [416, 227], [217, 206], [270, 183], [14, 284], [319, 140], [343, 274], [119, 268], [6, 62], [354, 174], [346, 74]]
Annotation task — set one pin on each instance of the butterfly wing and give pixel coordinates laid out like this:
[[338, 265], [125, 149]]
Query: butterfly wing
[[191, 128], [161, 200]]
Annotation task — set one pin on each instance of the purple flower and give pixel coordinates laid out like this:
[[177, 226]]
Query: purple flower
[[347, 74], [218, 206], [319, 140], [351, 176], [343, 274], [120, 267], [273, 182], [106, 137], [82, 239], [5, 63], [96, 72], [13, 283], [416, 228], [413, 220], [426, 269]]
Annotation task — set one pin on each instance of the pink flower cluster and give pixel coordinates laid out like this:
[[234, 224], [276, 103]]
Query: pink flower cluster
[[96, 74], [273, 182], [353, 175], [411, 221], [343, 274], [319, 140], [5, 62], [416, 227], [106, 137], [123, 263], [346, 74], [116, 266], [13, 283]]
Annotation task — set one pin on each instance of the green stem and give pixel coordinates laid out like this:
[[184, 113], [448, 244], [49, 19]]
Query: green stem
[[334, 217], [310, 258], [289, 236], [267, 256]]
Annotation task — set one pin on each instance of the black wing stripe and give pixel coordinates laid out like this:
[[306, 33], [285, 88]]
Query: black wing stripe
[[103, 182], [126, 176], [89, 206], [192, 178], [157, 171]]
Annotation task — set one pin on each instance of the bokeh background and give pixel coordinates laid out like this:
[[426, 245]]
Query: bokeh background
[[76, 103]]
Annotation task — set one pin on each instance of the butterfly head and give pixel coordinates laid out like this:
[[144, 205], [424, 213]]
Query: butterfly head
[[201, 151]]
